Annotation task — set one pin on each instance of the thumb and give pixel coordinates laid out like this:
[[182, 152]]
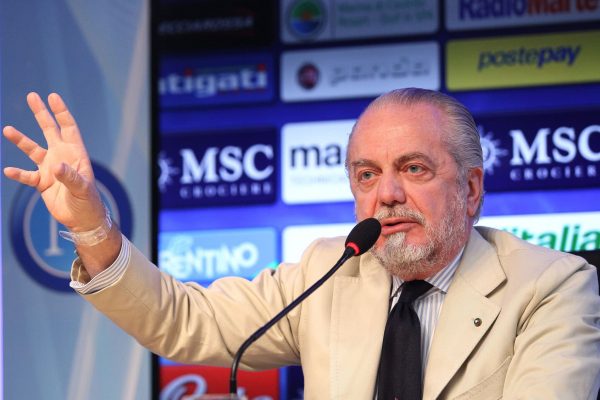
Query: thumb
[[74, 182]]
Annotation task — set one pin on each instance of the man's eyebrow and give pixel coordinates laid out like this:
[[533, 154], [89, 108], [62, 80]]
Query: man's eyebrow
[[405, 158], [362, 163]]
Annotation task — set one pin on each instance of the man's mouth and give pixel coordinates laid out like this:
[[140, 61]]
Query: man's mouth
[[389, 226]]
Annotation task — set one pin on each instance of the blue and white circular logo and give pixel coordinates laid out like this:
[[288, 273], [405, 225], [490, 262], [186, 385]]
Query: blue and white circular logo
[[306, 18], [43, 254]]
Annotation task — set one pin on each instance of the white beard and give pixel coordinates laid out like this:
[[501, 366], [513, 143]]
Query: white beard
[[403, 259]]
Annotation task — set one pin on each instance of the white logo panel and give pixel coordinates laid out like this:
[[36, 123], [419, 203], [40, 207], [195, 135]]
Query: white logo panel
[[297, 238], [564, 231], [313, 162], [330, 20], [364, 71]]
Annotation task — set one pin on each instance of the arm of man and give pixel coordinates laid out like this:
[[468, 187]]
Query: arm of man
[[557, 348], [188, 323], [180, 321]]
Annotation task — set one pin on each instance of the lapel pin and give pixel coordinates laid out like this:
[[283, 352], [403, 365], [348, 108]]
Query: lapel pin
[[477, 322]]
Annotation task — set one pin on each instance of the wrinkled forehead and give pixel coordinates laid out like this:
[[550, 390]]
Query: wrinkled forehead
[[377, 119]]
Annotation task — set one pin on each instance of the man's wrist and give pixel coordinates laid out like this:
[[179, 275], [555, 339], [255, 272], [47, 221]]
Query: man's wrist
[[83, 283], [100, 256], [91, 237]]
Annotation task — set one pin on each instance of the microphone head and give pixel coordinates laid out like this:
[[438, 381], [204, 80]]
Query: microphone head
[[363, 236]]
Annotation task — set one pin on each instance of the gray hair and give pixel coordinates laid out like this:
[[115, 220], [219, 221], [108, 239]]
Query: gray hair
[[461, 134]]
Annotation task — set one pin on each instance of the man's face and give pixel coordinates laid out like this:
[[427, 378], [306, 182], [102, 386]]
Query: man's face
[[401, 173]]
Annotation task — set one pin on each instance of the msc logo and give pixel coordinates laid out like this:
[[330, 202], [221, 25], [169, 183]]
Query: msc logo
[[208, 82], [40, 251], [225, 172], [564, 141], [204, 256], [225, 164], [560, 146], [561, 153]]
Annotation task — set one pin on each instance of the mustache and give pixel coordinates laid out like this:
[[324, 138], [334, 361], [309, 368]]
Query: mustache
[[399, 212]]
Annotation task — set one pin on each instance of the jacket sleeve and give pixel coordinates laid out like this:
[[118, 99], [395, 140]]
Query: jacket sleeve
[[188, 323], [557, 348]]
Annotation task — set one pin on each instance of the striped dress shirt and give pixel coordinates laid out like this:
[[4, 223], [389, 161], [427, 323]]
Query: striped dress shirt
[[429, 305]]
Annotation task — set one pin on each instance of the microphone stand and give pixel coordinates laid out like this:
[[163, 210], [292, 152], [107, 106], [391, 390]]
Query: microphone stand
[[349, 252]]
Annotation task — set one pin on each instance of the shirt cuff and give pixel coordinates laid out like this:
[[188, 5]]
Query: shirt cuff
[[106, 278]]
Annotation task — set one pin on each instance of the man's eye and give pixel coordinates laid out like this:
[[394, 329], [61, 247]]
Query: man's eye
[[415, 169], [365, 176]]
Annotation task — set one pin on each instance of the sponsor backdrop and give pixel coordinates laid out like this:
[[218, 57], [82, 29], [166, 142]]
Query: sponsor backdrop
[[254, 101], [96, 55]]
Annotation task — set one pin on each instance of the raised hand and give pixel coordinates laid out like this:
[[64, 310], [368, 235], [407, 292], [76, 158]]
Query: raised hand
[[65, 179], [64, 175]]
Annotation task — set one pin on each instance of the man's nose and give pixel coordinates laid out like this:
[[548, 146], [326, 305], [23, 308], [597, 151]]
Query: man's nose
[[391, 190]]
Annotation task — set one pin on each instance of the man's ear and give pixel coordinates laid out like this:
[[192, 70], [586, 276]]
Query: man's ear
[[474, 190]]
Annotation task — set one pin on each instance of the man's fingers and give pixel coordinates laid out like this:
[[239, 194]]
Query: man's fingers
[[69, 129], [29, 178], [71, 179], [43, 117], [26, 145]]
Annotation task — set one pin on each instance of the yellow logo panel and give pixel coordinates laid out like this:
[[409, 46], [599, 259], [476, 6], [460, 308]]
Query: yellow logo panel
[[530, 60]]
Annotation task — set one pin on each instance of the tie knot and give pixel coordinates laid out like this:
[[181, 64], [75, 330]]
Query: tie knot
[[413, 289]]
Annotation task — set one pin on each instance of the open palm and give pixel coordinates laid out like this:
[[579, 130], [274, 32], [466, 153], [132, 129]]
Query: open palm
[[64, 175]]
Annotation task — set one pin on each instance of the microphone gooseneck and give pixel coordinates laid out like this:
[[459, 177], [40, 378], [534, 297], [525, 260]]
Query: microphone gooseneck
[[360, 239]]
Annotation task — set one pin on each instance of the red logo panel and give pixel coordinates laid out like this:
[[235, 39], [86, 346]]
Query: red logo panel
[[177, 381]]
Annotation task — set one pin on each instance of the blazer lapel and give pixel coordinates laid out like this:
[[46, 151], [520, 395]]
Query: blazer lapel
[[457, 332], [359, 314]]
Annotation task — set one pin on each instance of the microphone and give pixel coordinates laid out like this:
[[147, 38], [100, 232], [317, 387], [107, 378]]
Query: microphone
[[360, 239], [363, 236]]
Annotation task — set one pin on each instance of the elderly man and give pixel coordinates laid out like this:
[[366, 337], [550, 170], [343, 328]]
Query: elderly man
[[495, 317]]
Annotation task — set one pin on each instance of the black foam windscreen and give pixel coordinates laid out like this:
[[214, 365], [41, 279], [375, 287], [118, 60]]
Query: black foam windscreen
[[364, 234]]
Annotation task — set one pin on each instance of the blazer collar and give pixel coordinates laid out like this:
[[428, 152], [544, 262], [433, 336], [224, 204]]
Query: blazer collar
[[456, 334], [359, 313]]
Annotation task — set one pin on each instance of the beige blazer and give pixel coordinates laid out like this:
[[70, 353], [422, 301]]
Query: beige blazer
[[539, 337]]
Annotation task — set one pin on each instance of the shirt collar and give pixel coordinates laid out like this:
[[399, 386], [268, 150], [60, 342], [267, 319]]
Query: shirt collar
[[441, 280]]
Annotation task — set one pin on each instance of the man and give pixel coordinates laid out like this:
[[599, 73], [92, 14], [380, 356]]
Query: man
[[504, 319]]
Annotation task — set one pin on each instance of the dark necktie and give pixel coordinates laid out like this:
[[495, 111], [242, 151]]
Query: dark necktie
[[400, 367]]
